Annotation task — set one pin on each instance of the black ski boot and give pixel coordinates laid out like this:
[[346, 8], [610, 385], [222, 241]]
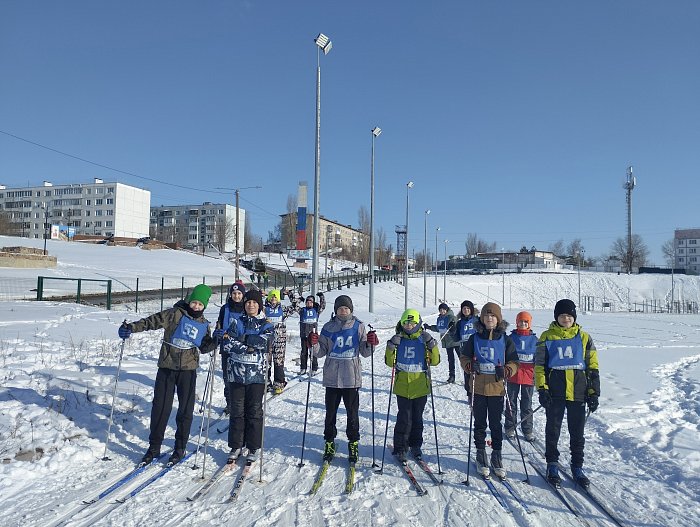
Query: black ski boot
[[580, 477], [553, 474], [176, 457], [329, 451], [152, 453]]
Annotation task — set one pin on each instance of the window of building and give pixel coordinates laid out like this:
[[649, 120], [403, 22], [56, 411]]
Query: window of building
[[87, 224], [694, 259], [47, 193], [98, 213], [87, 212], [110, 201], [110, 212], [691, 251], [88, 202], [221, 211], [110, 190], [692, 242], [108, 224], [681, 251], [98, 202], [99, 190], [98, 224]]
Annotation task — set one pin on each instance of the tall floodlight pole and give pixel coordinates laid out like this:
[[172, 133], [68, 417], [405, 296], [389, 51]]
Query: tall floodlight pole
[[425, 260], [503, 273], [375, 133], [444, 276], [324, 44], [409, 186], [437, 229], [629, 186], [581, 252]]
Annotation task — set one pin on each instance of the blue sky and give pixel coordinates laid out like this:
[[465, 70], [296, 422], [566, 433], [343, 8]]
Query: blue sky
[[516, 120]]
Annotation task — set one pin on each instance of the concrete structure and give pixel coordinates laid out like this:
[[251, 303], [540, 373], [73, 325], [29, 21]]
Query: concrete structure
[[687, 243], [199, 226], [96, 208]]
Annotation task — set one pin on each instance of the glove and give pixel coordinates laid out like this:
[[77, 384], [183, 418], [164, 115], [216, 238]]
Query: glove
[[125, 331], [500, 372], [509, 371], [592, 401], [218, 334], [545, 398], [250, 350], [312, 338], [372, 338], [468, 367]]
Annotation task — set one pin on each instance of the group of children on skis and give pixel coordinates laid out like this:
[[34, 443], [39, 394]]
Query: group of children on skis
[[562, 365]]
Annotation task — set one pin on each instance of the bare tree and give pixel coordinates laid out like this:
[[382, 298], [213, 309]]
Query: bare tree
[[557, 248], [475, 245], [636, 258], [363, 221], [7, 226], [422, 262], [574, 248], [225, 232], [668, 249], [381, 256], [248, 237]]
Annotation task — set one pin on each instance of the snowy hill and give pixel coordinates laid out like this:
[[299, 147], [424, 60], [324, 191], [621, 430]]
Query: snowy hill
[[58, 363]]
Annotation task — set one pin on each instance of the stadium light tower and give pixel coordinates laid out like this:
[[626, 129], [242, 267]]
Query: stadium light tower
[[324, 44], [376, 131], [437, 230], [629, 186], [409, 186], [425, 260]]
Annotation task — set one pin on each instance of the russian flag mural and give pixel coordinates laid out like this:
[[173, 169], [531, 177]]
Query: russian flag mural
[[301, 217]]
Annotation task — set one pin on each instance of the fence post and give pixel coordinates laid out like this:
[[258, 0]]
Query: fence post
[[182, 288], [109, 295], [77, 298], [221, 292], [39, 288], [137, 294], [204, 279], [162, 288]]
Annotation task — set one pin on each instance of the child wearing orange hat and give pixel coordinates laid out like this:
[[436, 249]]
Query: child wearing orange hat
[[522, 383]]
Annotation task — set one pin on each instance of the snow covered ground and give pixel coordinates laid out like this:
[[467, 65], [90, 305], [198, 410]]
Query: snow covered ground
[[58, 363]]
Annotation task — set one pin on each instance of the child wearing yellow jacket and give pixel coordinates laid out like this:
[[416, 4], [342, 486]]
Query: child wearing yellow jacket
[[567, 379], [411, 352]]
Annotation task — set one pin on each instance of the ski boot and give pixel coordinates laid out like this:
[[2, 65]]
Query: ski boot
[[152, 453], [529, 437], [233, 456], [482, 463], [510, 433], [353, 451], [252, 455], [553, 474], [176, 456], [400, 454], [416, 452], [329, 451], [497, 464], [451, 379], [580, 477]]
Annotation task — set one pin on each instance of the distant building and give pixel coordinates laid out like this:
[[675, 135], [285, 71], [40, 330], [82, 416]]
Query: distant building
[[334, 237], [687, 243], [199, 226], [96, 208]]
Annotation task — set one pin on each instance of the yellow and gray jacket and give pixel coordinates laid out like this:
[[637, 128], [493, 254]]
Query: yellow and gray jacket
[[411, 382]]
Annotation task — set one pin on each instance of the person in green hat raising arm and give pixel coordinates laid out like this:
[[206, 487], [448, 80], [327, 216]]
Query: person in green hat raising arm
[[186, 334]]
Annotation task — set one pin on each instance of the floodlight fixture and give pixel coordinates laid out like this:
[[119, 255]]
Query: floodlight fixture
[[376, 131], [323, 42]]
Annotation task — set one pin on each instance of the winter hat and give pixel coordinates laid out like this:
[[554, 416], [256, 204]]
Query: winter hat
[[256, 296], [410, 315], [310, 297], [342, 300], [565, 307], [493, 309], [275, 293], [237, 286], [443, 306], [524, 315], [470, 305], [201, 293]]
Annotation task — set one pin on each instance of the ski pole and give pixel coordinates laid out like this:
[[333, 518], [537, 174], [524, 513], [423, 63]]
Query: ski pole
[[201, 425], [471, 420], [432, 402], [529, 416], [374, 464], [308, 391], [262, 439], [386, 430], [206, 387], [212, 365], [517, 436], [114, 395]]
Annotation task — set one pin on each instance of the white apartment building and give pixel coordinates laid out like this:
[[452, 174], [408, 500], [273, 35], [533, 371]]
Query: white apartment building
[[687, 243], [199, 226], [96, 208]]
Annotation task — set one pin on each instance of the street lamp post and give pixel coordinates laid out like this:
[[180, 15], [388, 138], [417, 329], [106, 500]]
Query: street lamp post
[[409, 186], [437, 229], [375, 133], [46, 225], [581, 251], [324, 44], [425, 259], [444, 276]]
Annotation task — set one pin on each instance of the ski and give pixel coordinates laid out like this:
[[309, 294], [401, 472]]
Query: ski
[[558, 491], [494, 492], [162, 472], [320, 477], [420, 489], [514, 493], [223, 470], [242, 477], [141, 467], [224, 428], [426, 468], [350, 481]]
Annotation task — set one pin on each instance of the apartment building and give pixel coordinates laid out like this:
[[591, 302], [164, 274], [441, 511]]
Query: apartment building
[[96, 208], [199, 226], [687, 243]]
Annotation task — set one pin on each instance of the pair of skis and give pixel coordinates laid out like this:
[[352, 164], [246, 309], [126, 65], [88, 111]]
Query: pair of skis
[[219, 474], [321, 476]]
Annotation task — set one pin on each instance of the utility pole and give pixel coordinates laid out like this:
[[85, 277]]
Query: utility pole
[[629, 186]]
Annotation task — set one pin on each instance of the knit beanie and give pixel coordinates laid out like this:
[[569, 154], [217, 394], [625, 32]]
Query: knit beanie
[[237, 287], [275, 293], [565, 307], [201, 293], [310, 297], [342, 300], [256, 296], [493, 309], [524, 315], [470, 305], [443, 306]]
